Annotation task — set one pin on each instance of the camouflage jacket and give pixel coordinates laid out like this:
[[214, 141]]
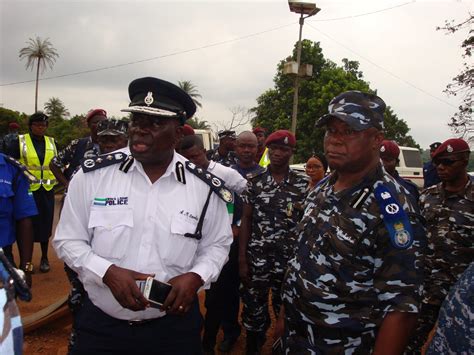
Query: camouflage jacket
[[346, 275], [450, 236], [229, 160], [70, 157], [277, 207], [456, 319]]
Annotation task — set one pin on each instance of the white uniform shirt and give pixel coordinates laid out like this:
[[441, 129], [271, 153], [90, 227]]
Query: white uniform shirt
[[233, 180], [111, 217]]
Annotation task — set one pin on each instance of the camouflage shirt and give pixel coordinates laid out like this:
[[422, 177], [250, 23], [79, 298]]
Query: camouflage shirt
[[450, 236], [228, 160], [346, 275], [70, 157], [276, 207], [456, 319]]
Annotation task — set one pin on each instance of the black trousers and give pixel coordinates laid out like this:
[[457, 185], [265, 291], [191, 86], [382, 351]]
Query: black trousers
[[99, 333], [223, 302]]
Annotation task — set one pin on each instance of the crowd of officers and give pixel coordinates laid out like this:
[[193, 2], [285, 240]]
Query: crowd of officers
[[350, 256]]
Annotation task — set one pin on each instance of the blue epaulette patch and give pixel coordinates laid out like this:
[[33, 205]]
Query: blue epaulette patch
[[214, 182], [395, 219], [102, 161]]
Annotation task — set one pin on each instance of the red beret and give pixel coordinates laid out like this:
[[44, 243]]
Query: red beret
[[95, 112], [13, 125], [282, 137], [389, 148], [257, 130], [188, 130], [453, 145]]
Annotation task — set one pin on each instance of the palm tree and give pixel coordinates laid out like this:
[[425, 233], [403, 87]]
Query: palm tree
[[196, 123], [191, 89], [39, 52], [55, 109]]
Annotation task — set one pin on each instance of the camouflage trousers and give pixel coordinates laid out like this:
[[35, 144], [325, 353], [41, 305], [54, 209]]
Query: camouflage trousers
[[303, 338], [75, 300], [426, 321], [267, 270]]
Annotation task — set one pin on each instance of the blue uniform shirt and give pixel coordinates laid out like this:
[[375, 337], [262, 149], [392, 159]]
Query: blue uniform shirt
[[15, 201], [430, 175]]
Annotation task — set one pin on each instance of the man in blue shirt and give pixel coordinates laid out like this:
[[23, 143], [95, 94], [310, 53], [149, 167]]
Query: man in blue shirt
[[16, 207], [430, 175]]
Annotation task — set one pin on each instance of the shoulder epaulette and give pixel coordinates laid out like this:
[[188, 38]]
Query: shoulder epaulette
[[102, 161], [31, 178], [214, 182], [255, 173]]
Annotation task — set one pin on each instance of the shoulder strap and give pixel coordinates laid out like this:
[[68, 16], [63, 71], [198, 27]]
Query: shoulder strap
[[394, 217], [31, 178], [215, 183], [102, 161]]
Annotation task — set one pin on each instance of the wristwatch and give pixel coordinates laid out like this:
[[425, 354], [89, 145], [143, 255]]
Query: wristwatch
[[28, 267]]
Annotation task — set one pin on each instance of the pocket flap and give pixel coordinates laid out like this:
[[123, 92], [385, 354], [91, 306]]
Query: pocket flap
[[110, 218]]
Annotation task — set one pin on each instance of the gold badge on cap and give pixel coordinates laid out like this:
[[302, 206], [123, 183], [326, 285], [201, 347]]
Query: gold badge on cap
[[449, 149], [149, 98]]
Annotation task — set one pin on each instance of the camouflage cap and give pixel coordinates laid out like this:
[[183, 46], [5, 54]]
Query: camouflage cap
[[358, 109]]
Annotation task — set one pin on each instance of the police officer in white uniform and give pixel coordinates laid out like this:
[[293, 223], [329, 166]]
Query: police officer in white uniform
[[151, 213]]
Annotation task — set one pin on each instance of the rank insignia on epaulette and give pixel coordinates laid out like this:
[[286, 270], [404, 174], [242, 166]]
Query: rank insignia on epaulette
[[214, 182], [102, 161], [395, 219]]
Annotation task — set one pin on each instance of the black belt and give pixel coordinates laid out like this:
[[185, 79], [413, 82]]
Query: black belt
[[134, 323]]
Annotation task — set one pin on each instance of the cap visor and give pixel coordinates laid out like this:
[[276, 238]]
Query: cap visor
[[350, 121], [110, 132]]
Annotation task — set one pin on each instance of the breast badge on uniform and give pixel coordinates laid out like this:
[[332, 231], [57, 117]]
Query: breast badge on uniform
[[215, 183], [395, 219]]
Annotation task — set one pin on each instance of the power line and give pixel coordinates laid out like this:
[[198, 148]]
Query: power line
[[194, 49], [365, 13], [215, 44], [383, 69]]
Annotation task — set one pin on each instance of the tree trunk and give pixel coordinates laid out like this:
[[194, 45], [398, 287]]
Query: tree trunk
[[37, 80]]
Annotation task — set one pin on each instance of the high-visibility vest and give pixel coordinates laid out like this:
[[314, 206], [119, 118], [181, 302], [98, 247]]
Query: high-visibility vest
[[29, 157], [264, 160]]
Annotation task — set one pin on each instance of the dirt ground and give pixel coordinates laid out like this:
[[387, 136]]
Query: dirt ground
[[48, 288]]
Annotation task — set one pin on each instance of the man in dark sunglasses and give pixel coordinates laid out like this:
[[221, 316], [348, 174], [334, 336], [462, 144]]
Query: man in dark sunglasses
[[449, 211]]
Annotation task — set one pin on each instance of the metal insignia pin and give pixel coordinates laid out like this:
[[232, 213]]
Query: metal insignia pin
[[382, 148], [89, 163], [285, 140], [216, 182], [149, 98], [109, 157], [449, 149], [98, 160], [199, 170]]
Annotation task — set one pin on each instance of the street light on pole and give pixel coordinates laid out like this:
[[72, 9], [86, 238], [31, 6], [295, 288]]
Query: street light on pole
[[308, 9]]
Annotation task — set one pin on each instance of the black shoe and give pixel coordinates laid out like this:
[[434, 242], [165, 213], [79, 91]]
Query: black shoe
[[227, 344], [44, 265]]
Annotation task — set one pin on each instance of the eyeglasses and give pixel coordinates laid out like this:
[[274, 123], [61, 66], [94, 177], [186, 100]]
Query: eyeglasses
[[445, 161]]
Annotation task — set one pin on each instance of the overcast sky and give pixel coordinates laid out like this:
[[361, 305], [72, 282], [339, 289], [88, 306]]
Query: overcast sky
[[230, 50]]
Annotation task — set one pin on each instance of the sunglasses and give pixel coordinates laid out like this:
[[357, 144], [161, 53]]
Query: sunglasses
[[445, 162]]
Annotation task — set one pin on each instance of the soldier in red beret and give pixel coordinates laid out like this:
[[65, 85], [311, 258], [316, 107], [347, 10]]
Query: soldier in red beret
[[389, 152], [448, 208], [268, 235]]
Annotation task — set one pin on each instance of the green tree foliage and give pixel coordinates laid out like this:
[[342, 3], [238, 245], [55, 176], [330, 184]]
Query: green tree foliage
[[191, 90], [56, 111], [7, 116], [197, 123], [274, 106], [39, 53]]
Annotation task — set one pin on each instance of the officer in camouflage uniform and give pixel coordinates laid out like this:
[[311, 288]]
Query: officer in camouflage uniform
[[449, 211], [271, 208], [354, 286], [224, 154]]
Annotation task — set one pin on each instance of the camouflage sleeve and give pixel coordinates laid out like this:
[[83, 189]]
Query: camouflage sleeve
[[398, 274], [248, 194], [65, 155]]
